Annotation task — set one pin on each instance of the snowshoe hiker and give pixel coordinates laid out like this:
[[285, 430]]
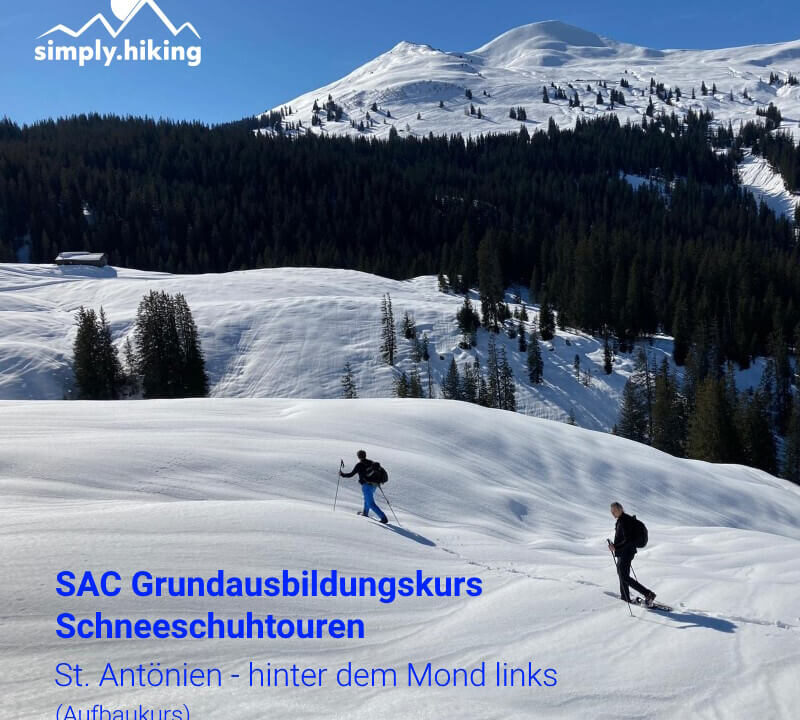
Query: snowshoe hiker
[[362, 469], [627, 537]]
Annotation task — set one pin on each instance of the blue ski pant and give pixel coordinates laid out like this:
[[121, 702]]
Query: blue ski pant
[[369, 501]]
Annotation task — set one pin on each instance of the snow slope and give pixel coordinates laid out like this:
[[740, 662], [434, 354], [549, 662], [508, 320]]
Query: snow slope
[[191, 487], [284, 333], [411, 79], [409, 82], [756, 175]]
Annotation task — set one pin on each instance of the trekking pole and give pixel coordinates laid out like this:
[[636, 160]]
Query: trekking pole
[[390, 506], [616, 566], [341, 467]]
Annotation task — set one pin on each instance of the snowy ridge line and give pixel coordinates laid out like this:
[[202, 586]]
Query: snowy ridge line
[[411, 80]]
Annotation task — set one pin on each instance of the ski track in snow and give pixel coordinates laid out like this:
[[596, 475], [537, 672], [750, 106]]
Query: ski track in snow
[[246, 485]]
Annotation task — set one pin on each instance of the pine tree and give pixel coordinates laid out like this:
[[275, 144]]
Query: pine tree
[[791, 460], [401, 386], [576, 366], [194, 379], [535, 363], [547, 322], [349, 390], [468, 323], [110, 367], [493, 378], [409, 326], [490, 283], [468, 320], [85, 363], [425, 353], [508, 388], [451, 389], [470, 383], [681, 333], [608, 360], [783, 381], [430, 380], [98, 372], [170, 359], [755, 433], [522, 343], [643, 376], [416, 350], [131, 382], [415, 384], [712, 435], [483, 391], [668, 417], [388, 333], [632, 423]]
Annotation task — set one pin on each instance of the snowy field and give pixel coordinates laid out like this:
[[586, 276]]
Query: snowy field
[[191, 487], [288, 332]]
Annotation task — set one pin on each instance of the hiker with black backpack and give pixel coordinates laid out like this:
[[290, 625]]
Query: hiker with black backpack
[[370, 476], [630, 534]]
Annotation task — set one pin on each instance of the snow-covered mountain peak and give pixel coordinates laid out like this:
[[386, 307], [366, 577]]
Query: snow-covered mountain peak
[[405, 46], [545, 44], [547, 35], [419, 89]]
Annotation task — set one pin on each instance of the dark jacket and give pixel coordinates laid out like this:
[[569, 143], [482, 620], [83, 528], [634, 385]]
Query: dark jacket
[[625, 536], [361, 470]]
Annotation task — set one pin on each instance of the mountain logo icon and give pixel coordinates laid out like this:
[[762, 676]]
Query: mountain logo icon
[[126, 11]]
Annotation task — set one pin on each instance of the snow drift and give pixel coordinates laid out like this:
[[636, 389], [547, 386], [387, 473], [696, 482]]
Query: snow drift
[[189, 487]]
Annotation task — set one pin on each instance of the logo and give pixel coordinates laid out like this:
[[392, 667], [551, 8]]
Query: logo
[[145, 50]]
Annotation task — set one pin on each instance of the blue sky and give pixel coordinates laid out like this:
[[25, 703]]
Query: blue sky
[[259, 54]]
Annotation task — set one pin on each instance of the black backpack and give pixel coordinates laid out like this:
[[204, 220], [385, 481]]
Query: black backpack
[[639, 532], [375, 474]]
